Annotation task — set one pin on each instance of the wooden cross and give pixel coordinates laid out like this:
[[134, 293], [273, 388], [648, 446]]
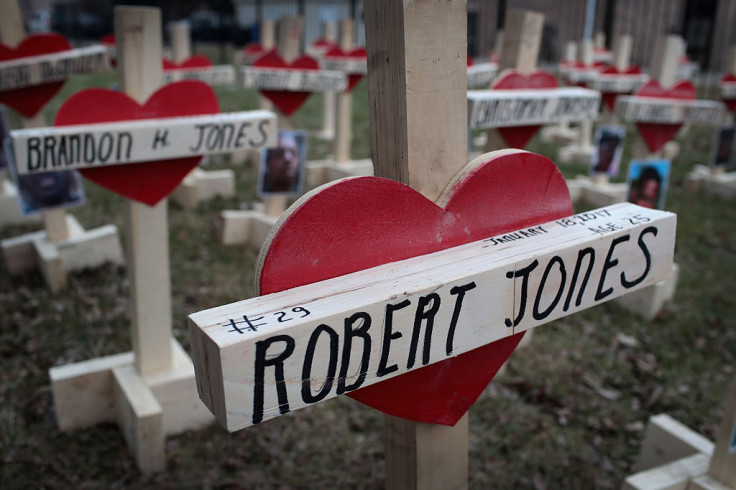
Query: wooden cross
[[41, 250], [653, 108], [150, 391], [523, 99], [269, 355]]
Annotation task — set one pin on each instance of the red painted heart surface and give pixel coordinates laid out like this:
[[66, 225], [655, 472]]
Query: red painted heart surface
[[609, 98], [287, 102], [195, 61], [359, 52], [730, 103], [322, 43], [363, 222], [147, 182], [519, 136], [657, 135], [29, 100]]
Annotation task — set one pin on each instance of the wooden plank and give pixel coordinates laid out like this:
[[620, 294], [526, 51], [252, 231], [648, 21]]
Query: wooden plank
[[181, 45], [521, 279], [12, 27], [212, 75], [142, 140], [141, 419], [138, 35], [506, 108], [666, 58], [667, 440], [723, 464], [481, 75], [669, 111], [522, 34], [417, 89], [672, 476], [344, 107], [83, 391], [55, 67], [293, 80], [54, 221]]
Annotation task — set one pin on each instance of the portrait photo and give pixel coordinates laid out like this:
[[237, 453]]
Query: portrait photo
[[647, 182], [723, 147], [609, 146], [47, 190], [282, 168], [4, 134]]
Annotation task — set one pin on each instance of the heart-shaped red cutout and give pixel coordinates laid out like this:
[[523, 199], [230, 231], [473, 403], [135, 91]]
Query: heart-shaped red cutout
[[359, 52], [730, 103], [194, 61], [363, 222], [29, 100], [286, 101], [519, 136], [609, 98], [657, 135], [147, 182]]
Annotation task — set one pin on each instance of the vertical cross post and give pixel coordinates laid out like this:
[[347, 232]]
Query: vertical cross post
[[268, 42], [519, 51], [138, 35], [663, 68], [181, 44], [330, 98], [12, 32], [344, 113], [289, 38], [417, 90]]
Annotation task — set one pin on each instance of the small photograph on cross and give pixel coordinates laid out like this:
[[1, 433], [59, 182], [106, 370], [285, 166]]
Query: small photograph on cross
[[647, 183], [282, 168], [609, 143], [723, 147]]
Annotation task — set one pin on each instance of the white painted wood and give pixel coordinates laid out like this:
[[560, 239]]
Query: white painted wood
[[249, 227], [481, 75], [506, 108], [669, 111], [201, 186], [649, 301], [706, 482], [616, 83], [727, 90], [54, 67], [351, 65], [293, 79], [212, 75], [54, 221], [619, 236], [667, 440], [142, 140], [672, 476]]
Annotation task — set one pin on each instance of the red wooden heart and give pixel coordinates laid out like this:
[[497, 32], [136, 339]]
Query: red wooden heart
[[657, 135], [147, 182], [195, 61], [609, 98], [323, 44], [730, 103], [287, 102], [363, 222], [359, 52], [519, 136], [29, 100]]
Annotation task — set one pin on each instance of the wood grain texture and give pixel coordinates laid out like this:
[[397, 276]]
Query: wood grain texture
[[417, 79], [138, 35], [521, 279], [344, 108]]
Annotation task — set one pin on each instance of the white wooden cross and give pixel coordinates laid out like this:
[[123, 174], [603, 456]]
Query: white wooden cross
[[270, 355], [64, 245], [150, 392]]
